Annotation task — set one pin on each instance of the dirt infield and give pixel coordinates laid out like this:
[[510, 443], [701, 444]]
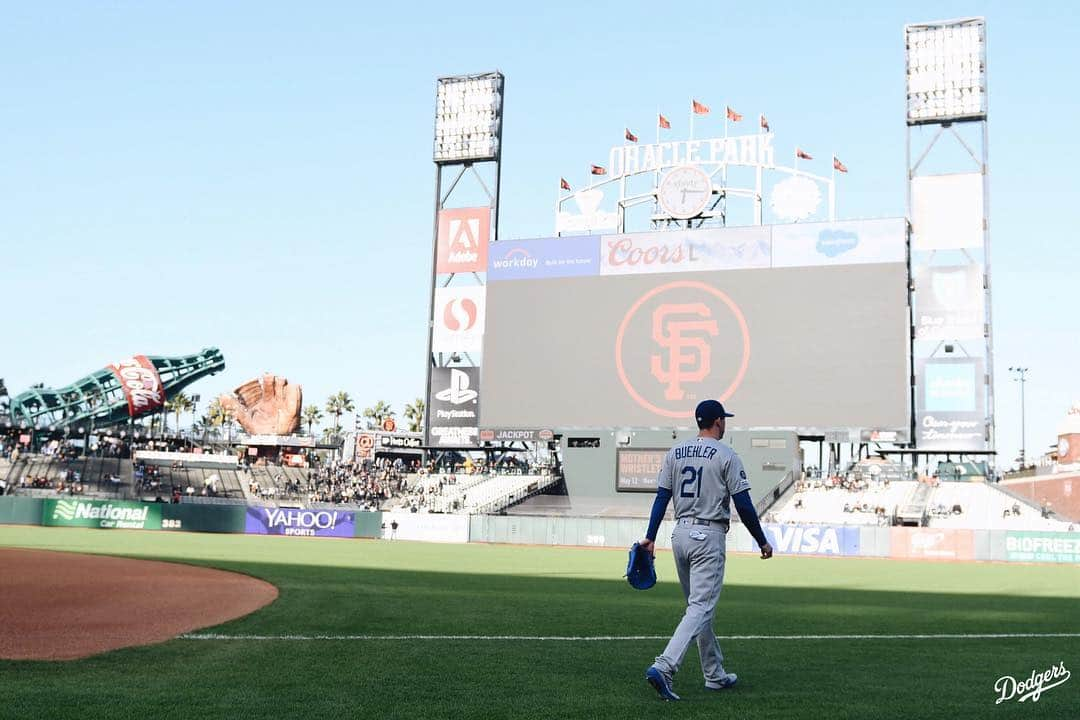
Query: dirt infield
[[63, 606]]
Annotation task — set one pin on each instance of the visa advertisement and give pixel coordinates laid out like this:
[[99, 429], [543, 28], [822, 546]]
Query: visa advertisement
[[813, 539]]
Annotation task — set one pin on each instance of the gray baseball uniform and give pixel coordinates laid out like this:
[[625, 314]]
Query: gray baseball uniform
[[702, 475]]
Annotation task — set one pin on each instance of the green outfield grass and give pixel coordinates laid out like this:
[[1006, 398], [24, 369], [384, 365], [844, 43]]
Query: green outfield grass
[[352, 587]]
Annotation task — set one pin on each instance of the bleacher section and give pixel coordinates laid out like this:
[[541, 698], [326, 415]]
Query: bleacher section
[[821, 503], [985, 507], [217, 475], [472, 494], [100, 477]]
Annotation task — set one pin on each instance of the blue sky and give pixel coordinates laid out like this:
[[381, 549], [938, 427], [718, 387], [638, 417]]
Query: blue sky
[[257, 176]]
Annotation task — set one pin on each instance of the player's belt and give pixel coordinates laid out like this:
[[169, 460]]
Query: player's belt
[[703, 521]]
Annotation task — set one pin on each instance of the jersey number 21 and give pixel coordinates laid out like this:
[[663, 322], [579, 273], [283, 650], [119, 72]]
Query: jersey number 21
[[691, 484]]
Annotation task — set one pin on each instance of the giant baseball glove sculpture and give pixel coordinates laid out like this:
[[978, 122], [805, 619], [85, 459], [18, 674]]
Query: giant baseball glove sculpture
[[267, 406]]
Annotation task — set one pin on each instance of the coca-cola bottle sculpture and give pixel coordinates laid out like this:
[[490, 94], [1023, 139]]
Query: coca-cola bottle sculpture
[[124, 389]]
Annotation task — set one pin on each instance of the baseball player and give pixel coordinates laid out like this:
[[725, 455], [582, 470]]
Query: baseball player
[[703, 476]]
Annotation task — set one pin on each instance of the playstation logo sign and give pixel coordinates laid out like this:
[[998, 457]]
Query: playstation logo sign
[[458, 393], [454, 407]]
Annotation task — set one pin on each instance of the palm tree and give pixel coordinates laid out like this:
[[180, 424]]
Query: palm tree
[[338, 404], [311, 415], [330, 436], [202, 425], [377, 413], [178, 404], [414, 413], [219, 416]]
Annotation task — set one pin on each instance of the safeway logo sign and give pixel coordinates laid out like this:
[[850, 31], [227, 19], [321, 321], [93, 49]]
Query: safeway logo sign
[[458, 324], [463, 240], [459, 392]]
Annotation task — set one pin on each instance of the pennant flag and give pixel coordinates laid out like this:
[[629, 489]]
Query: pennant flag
[[802, 155], [764, 123], [838, 165], [563, 184], [698, 108], [630, 136], [598, 170], [732, 115], [664, 123]]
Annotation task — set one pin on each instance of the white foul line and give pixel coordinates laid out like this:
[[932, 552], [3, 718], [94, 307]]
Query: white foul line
[[610, 638]]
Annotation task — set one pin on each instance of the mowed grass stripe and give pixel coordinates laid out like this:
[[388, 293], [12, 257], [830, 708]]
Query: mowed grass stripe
[[620, 638]]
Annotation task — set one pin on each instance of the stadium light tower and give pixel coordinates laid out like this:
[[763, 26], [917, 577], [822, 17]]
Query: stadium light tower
[[468, 132], [946, 73], [1020, 376]]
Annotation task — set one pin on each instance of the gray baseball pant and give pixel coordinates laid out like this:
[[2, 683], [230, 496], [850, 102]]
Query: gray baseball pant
[[699, 559]]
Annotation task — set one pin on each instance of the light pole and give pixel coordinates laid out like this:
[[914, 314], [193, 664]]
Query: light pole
[[1020, 376]]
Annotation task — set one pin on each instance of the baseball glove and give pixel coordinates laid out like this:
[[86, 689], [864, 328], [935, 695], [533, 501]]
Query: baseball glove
[[640, 570], [269, 406]]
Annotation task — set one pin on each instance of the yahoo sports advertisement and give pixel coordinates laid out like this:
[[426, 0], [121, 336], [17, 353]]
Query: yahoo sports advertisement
[[298, 521]]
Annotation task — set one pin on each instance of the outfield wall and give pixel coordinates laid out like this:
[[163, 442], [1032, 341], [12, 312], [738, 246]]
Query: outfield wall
[[942, 544]]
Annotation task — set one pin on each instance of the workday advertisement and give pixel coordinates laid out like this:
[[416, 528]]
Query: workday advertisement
[[573, 256]]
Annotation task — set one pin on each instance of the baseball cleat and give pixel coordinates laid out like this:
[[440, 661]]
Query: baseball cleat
[[728, 681], [661, 684]]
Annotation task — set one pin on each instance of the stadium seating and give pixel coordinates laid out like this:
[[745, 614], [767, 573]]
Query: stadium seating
[[985, 507], [821, 503]]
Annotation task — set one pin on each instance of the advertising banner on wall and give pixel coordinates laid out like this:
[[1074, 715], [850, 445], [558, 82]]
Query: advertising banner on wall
[[950, 302], [463, 240], [104, 514], [637, 470], [458, 325], [516, 435], [931, 543], [839, 243], [573, 256], [685, 251], [141, 383], [454, 406], [947, 212], [813, 539], [951, 404], [1055, 547], [299, 521]]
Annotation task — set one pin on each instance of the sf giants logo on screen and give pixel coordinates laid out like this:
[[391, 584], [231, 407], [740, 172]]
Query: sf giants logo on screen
[[681, 330], [463, 240], [680, 343]]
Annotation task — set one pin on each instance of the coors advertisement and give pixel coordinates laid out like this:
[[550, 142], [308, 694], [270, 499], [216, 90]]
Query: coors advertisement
[[141, 383], [454, 407]]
